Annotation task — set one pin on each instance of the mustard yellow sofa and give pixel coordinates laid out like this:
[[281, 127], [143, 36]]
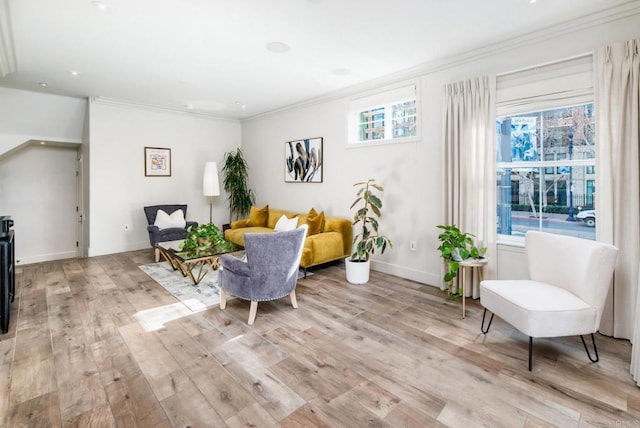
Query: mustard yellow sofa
[[333, 242]]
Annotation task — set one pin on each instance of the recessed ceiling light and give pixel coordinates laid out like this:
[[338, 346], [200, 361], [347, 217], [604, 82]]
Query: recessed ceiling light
[[43, 84], [74, 72], [278, 47], [240, 105], [42, 143]]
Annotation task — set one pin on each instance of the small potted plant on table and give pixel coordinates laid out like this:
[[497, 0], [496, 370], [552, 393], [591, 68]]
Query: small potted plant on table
[[455, 247], [368, 240]]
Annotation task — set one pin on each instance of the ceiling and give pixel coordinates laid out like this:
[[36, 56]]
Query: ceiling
[[211, 57]]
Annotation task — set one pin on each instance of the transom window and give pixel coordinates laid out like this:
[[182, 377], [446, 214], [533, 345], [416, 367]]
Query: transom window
[[389, 116]]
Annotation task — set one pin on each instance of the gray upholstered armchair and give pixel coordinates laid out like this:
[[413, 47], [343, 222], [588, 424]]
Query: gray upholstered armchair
[[270, 271], [168, 234]]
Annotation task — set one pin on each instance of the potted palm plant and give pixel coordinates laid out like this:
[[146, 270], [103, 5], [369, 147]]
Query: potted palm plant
[[456, 246], [239, 195], [367, 240]]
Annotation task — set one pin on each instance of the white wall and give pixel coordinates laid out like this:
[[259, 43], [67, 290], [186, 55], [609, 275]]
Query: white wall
[[411, 173], [38, 190], [37, 184], [400, 168], [118, 187], [34, 116]]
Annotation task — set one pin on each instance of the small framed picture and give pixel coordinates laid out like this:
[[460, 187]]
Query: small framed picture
[[157, 162], [303, 161]]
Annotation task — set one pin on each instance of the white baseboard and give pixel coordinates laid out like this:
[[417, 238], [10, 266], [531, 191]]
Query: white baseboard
[[407, 273], [130, 246], [45, 258]]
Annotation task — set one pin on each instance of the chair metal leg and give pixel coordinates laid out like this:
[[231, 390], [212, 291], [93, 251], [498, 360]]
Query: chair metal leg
[[595, 349], [482, 329], [530, 351]]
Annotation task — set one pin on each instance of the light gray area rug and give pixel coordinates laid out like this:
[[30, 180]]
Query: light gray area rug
[[195, 297]]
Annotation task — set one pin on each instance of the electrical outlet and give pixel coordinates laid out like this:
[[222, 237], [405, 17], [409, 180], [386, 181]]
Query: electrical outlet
[[412, 245], [126, 226]]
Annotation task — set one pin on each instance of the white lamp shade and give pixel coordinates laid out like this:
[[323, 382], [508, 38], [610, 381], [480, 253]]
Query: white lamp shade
[[210, 184]]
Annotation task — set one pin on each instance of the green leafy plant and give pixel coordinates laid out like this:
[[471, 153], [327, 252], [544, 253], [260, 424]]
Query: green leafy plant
[[367, 216], [236, 172], [456, 246], [205, 237]]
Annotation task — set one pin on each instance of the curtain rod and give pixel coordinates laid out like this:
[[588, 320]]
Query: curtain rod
[[520, 70]]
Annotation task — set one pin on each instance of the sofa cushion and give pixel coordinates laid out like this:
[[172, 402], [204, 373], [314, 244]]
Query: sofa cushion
[[258, 217], [237, 235], [315, 222], [166, 221], [275, 214], [326, 246]]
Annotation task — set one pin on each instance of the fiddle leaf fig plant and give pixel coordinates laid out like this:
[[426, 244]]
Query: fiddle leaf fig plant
[[456, 246], [367, 217], [205, 237]]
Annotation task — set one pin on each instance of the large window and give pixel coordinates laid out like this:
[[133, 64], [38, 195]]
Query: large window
[[389, 116], [549, 157]]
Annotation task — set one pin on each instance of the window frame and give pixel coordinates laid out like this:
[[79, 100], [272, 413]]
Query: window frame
[[382, 98], [542, 166], [558, 84]]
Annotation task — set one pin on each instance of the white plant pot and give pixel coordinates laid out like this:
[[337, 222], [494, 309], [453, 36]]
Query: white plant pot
[[357, 272]]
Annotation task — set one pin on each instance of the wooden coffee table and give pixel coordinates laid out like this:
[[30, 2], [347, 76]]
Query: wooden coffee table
[[193, 264]]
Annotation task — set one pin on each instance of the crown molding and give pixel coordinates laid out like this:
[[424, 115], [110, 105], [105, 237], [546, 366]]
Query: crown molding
[[612, 14], [8, 63], [157, 108]]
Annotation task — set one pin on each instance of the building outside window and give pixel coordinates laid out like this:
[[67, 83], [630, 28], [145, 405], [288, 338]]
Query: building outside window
[[389, 116], [372, 124], [549, 157]]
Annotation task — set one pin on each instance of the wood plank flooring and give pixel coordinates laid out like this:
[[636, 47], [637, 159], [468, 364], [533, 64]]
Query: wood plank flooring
[[392, 353]]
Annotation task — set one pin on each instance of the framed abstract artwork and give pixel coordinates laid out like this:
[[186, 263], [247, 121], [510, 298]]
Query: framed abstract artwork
[[303, 161], [157, 162]]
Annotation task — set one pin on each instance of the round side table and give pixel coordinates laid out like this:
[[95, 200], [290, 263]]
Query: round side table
[[478, 265]]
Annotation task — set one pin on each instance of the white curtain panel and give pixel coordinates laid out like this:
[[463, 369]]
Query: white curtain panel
[[617, 91], [469, 164]]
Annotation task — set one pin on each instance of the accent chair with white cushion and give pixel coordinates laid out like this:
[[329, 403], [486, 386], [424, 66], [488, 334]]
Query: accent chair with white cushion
[[570, 279], [269, 272], [166, 223]]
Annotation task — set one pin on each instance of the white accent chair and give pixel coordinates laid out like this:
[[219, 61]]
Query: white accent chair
[[570, 279]]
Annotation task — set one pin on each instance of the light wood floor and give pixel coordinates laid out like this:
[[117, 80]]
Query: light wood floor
[[391, 353]]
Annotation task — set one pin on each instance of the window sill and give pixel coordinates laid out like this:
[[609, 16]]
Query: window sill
[[505, 241], [375, 143]]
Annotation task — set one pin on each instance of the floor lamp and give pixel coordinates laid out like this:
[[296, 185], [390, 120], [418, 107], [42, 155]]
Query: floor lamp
[[210, 185]]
